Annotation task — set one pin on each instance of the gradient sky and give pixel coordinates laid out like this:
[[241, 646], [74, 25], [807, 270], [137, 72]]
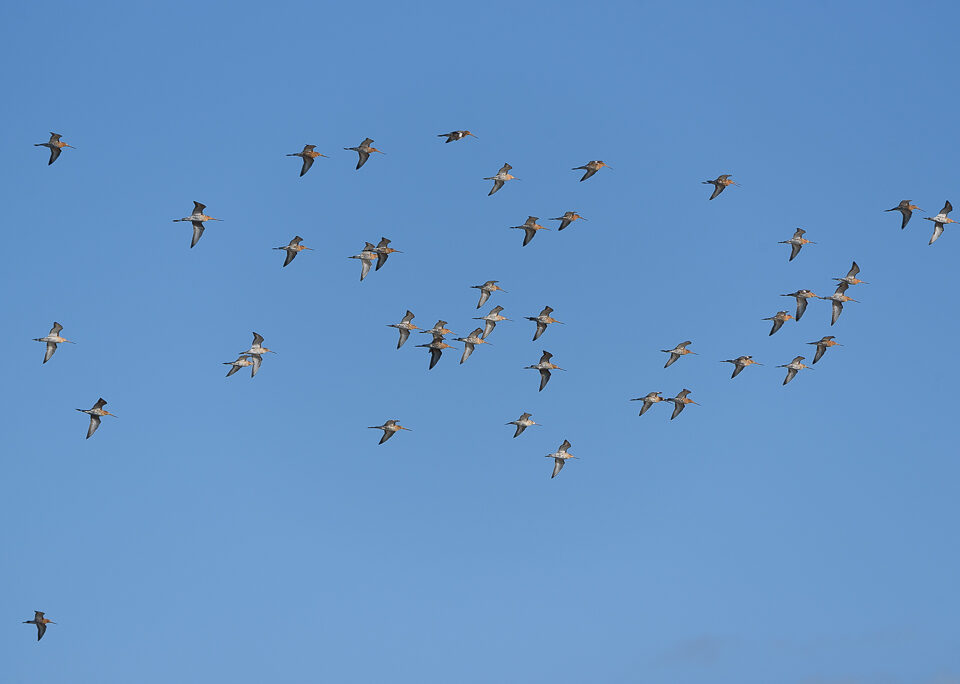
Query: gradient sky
[[238, 530]]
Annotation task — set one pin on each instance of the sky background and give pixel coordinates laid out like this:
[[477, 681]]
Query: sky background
[[238, 530]]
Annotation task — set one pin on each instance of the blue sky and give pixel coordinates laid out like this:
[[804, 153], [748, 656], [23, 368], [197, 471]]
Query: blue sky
[[251, 530]]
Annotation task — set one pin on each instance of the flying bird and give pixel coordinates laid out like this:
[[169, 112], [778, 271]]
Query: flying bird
[[545, 366], [906, 209], [823, 344], [543, 319], [740, 363], [52, 339], [366, 257], [404, 326], [308, 156], [680, 402], [486, 290], [390, 428], [383, 250], [796, 242], [850, 278], [778, 320], [793, 368], [453, 136], [530, 228], [491, 320], [648, 401], [257, 346], [560, 457], [243, 361], [197, 218], [503, 175], [41, 623], [939, 221], [677, 352], [838, 299], [568, 218], [95, 413], [719, 184], [522, 423], [55, 147], [590, 168], [439, 330], [801, 296], [469, 342], [364, 149], [436, 348], [293, 249]]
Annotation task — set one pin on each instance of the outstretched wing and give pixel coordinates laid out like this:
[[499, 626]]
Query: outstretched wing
[[544, 378], [290, 257], [587, 175], [94, 424], [557, 466], [54, 153], [794, 251], [197, 232], [51, 348], [717, 189], [364, 156], [307, 163], [497, 184]]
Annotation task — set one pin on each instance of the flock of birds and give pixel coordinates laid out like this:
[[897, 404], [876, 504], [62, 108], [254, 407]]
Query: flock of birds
[[375, 256]]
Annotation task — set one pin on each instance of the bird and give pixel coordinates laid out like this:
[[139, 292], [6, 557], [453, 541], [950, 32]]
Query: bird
[[522, 423], [41, 623], [364, 149], [568, 218], [486, 290], [778, 320], [390, 428], [740, 363], [796, 242], [436, 348], [439, 330], [404, 326], [801, 296], [530, 228], [197, 218], [503, 175], [906, 209], [491, 320], [453, 136], [382, 250], [469, 342], [293, 249], [793, 368], [680, 402], [850, 278], [838, 298], [95, 413], [308, 155], [52, 339], [55, 147], [720, 184], [545, 366], [648, 401], [543, 319], [591, 168], [560, 457], [677, 352], [257, 346], [244, 360], [823, 344], [367, 256], [939, 221]]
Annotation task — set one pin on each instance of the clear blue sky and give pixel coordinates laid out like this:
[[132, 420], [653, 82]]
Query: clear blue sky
[[249, 531]]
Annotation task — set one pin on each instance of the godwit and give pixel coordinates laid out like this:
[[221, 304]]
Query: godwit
[[740, 363], [778, 320], [453, 136], [796, 242], [823, 344], [491, 320], [404, 326], [364, 149], [793, 368], [390, 428], [939, 220], [530, 228], [850, 278], [680, 402], [197, 218], [244, 360], [257, 346], [677, 352], [383, 250], [52, 339], [522, 423], [308, 156], [503, 175], [469, 342], [486, 289], [41, 623], [590, 168], [560, 457], [906, 209], [55, 147], [544, 367], [648, 401], [366, 257], [567, 218], [719, 184], [838, 298], [436, 348], [801, 296], [293, 249], [543, 319], [439, 330], [95, 414]]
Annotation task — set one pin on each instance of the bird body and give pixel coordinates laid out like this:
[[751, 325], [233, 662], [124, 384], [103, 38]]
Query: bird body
[[486, 290], [778, 320], [383, 250], [522, 423], [838, 299], [41, 623], [363, 150], [308, 155], [55, 145], [292, 249], [906, 209], [796, 242], [793, 368], [590, 168], [52, 340], [502, 176], [470, 341], [257, 346], [719, 184], [390, 428], [568, 218], [543, 319], [96, 413], [677, 352], [560, 457], [530, 228], [680, 402], [823, 344], [544, 366], [453, 136], [196, 219], [939, 221], [367, 256], [740, 363], [436, 348], [648, 401], [801, 296], [850, 278], [491, 320], [404, 326]]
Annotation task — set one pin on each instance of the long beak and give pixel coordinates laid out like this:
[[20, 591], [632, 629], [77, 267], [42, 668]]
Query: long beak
[[472, 135], [111, 414], [310, 248]]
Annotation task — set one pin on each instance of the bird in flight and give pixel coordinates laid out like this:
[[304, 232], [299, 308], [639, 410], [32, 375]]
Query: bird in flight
[[55, 147]]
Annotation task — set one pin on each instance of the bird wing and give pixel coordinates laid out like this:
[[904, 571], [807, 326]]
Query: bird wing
[[434, 356], [467, 351], [387, 434], [678, 406], [291, 254], [791, 374], [101, 402], [673, 357], [588, 173], [484, 296], [365, 268], [541, 327], [937, 232], [381, 259], [646, 405], [947, 208], [257, 360], [854, 270], [257, 339], [404, 334], [51, 348], [54, 153], [546, 356], [307, 163], [736, 369], [717, 189], [821, 350], [544, 378], [564, 446], [94, 424], [794, 250], [55, 330], [557, 466], [777, 324], [801, 306], [41, 626], [837, 308], [364, 156], [497, 184], [520, 428], [198, 208], [907, 213], [528, 234], [488, 327], [197, 232], [233, 369]]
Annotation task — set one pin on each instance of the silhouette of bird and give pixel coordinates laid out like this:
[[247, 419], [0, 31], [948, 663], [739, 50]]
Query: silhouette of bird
[[308, 156], [491, 320], [243, 361], [292, 249], [469, 342], [366, 257], [436, 348], [680, 402], [453, 136], [778, 320], [568, 218], [590, 168], [543, 319], [55, 147], [486, 290], [530, 228], [364, 149], [838, 299], [390, 428], [257, 346], [906, 209], [545, 366], [41, 623], [648, 401], [850, 278], [382, 250], [740, 363], [823, 344], [719, 184]]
